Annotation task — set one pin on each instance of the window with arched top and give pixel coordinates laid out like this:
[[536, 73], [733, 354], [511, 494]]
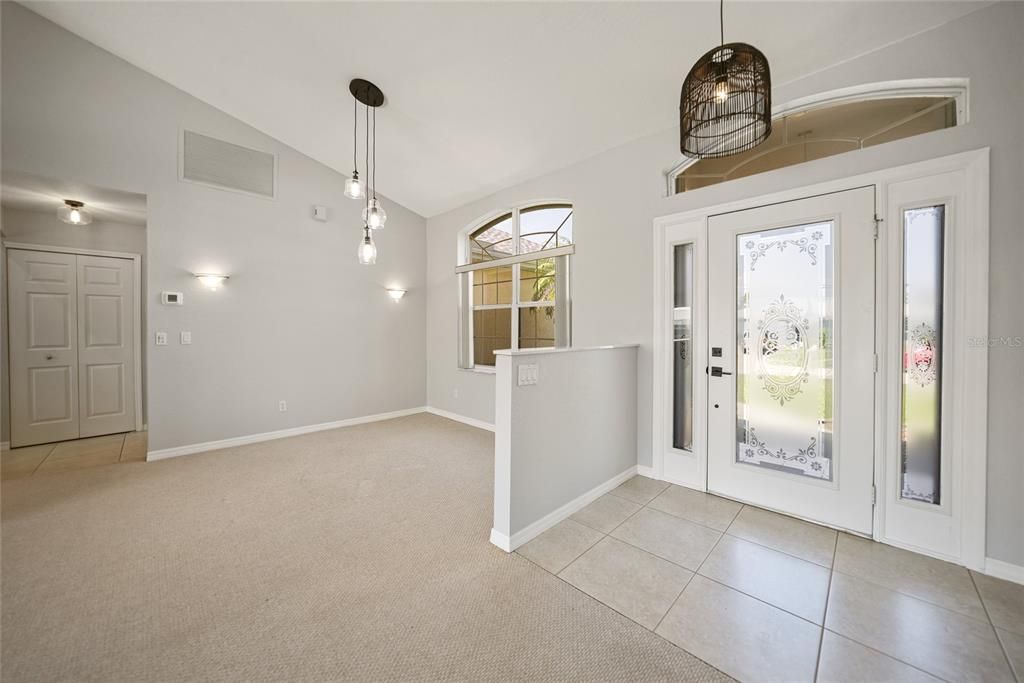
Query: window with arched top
[[514, 282], [834, 123]]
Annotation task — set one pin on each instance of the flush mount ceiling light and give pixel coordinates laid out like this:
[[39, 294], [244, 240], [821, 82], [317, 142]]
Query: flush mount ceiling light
[[726, 103], [396, 294], [211, 281], [73, 213]]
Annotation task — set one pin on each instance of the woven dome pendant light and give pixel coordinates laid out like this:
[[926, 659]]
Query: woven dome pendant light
[[726, 103]]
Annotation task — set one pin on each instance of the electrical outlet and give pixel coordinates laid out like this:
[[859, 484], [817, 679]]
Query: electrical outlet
[[282, 406], [455, 393], [161, 339], [186, 337]]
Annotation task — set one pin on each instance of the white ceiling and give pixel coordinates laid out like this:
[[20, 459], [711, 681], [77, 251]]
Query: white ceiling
[[36, 193], [480, 95]]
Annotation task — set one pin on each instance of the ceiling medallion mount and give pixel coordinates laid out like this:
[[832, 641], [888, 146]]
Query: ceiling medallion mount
[[366, 92]]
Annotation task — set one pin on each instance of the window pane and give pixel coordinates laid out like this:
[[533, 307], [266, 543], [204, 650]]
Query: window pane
[[682, 349], [492, 286], [825, 131], [492, 241], [545, 227], [784, 350], [492, 331], [536, 327], [922, 354], [537, 280]]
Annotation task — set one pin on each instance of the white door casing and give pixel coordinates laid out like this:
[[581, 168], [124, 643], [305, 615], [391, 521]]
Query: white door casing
[[76, 318], [955, 530], [106, 345], [791, 306], [43, 339]]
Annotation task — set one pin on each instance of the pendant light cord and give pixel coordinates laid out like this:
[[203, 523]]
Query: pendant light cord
[[721, 19], [374, 174], [368, 178], [355, 134]]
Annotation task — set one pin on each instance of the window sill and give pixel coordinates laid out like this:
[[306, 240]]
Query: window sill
[[484, 370]]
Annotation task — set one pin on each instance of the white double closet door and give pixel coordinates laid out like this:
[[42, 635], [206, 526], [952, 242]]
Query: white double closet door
[[791, 357], [71, 335]]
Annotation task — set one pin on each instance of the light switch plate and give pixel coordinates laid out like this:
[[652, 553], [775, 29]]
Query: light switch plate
[[186, 337], [528, 375], [161, 339]]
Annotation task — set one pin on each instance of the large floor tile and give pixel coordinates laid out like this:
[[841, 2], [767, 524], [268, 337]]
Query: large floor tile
[[1014, 646], [606, 513], [923, 577], [93, 446], [561, 544], [135, 447], [942, 642], [672, 538], [640, 489], [741, 636], [844, 661], [804, 540], [789, 583], [66, 464], [1004, 601], [628, 580], [696, 506], [22, 462]]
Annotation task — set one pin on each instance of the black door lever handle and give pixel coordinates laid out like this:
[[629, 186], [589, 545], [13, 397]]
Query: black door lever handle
[[718, 372]]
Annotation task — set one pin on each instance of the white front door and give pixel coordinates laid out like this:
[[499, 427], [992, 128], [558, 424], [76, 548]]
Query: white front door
[[106, 346], [43, 337], [791, 357]]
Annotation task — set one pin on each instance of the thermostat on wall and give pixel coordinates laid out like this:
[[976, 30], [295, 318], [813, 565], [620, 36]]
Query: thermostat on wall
[[171, 298]]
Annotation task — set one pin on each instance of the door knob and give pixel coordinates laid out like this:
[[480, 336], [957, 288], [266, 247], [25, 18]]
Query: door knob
[[49, 357], [718, 372]]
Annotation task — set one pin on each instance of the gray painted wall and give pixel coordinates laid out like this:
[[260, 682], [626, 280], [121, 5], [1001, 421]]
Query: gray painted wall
[[300, 319], [619, 192], [34, 227], [566, 435]]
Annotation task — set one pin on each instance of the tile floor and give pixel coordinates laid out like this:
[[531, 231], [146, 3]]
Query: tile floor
[[765, 597], [19, 463]]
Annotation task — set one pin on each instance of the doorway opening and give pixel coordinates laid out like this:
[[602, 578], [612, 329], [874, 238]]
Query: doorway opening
[[73, 287], [805, 347]]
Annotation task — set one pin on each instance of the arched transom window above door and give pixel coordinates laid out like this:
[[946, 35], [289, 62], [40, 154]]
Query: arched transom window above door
[[834, 123]]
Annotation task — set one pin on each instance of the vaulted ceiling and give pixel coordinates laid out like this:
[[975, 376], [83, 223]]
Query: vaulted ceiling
[[480, 95]]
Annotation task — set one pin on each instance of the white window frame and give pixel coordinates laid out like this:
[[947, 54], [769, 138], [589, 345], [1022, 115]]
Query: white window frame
[[563, 291], [955, 88]]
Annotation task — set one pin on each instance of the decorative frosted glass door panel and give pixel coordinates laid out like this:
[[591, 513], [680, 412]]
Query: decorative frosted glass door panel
[[784, 349], [791, 367], [920, 456]]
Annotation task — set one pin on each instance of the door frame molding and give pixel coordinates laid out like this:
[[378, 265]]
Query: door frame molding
[[968, 283], [136, 260]]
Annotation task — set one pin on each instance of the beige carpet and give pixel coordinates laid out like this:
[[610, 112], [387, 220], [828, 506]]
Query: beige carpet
[[356, 554]]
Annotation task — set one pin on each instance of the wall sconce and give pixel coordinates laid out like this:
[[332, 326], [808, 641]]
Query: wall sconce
[[396, 294], [211, 281]]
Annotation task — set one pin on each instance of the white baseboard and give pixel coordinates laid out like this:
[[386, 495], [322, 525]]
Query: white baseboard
[[549, 520], [1004, 570], [645, 471], [472, 422], [279, 434]]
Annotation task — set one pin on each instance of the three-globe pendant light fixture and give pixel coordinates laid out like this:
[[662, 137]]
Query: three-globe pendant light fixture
[[726, 102], [373, 213]]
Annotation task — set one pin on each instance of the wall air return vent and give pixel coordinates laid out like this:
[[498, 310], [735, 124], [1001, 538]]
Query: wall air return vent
[[227, 166]]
